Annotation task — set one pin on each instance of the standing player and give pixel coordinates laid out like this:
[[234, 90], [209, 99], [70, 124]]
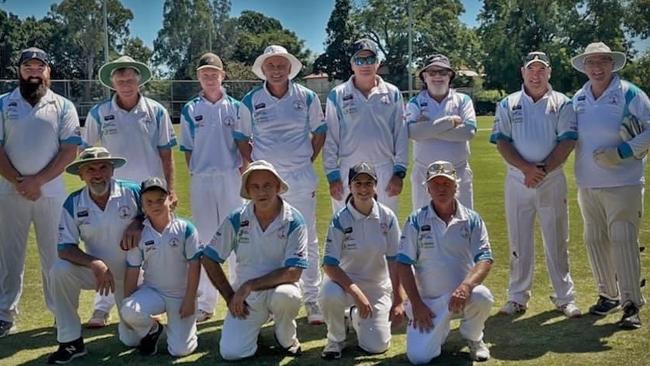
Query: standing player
[[169, 255], [441, 122], [207, 126], [535, 131], [39, 135], [135, 127], [609, 175], [269, 238], [365, 122], [360, 265], [284, 121], [443, 259], [97, 214]]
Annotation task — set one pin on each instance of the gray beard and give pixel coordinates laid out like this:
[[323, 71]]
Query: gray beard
[[98, 189]]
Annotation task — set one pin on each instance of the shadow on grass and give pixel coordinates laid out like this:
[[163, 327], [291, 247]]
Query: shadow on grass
[[532, 337]]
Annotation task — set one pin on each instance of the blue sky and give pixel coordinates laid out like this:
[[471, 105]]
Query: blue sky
[[308, 19]]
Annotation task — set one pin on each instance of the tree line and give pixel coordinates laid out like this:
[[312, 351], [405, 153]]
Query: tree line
[[72, 32]]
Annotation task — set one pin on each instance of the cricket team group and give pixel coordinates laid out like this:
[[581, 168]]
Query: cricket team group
[[253, 203]]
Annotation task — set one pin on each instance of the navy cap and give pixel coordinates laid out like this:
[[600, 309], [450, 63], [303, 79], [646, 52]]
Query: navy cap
[[33, 53], [361, 168], [153, 183], [364, 44]]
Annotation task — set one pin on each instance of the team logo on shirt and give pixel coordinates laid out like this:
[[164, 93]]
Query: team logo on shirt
[[299, 105], [384, 228], [281, 233], [174, 242], [244, 223], [464, 232], [124, 211], [613, 100], [243, 237], [385, 100], [426, 228], [110, 117], [77, 131], [12, 104], [229, 121]]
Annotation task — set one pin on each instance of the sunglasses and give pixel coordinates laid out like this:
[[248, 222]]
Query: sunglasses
[[367, 60], [541, 56], [441, 72], [441, 168]]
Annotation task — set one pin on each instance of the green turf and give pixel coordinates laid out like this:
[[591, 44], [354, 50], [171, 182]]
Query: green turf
[[540, 337]]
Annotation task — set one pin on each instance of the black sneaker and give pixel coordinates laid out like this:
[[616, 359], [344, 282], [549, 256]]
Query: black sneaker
[[149, 343], [630, 319], [67, 352], [604, 306], [6, 328], [292, 351]]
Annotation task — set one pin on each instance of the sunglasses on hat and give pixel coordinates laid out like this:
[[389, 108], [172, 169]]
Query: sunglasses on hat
[[364, 60]]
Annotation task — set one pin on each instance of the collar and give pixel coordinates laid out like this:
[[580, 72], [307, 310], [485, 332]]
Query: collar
[[224, 95], [140, 106], [530, 99], [614, 85], [148, 224], [47, 98], [288, 94], [449, 96], [374, 213], [381, 88], [459, 215]]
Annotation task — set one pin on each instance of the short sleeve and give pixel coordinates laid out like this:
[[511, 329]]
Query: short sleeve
[[407, 252], [91, 133], [223, 241], [244, 124], [567, 128], [393, 237], [333, 243], [187, 129], [134, 257], [166, 133], [316, 116], [480, 242], [69, 130], [295, 253], [68, 229], [502, 128], [192, 245]]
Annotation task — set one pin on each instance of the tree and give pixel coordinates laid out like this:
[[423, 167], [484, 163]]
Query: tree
[[191, 28], [335, 61], [255, 32], [436, 29], [135, 48]]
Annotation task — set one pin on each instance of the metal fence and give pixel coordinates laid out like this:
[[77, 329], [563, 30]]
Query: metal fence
[[173, 94]]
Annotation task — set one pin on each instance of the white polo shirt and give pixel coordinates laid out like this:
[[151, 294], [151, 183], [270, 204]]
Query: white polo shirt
[[454, 104], [534, 128], [100, 230], [361, 245], [282, 244], [280, 127], [442, 254], [207, 131], [32, 136], [599, 121], [364, 129], [164, 257], [136, 135]]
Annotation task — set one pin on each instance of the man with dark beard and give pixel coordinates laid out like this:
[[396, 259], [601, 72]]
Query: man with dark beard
[[39, 135]]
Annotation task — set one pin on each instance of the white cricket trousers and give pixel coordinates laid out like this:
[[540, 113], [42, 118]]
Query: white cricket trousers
[[68, 280], [548, 201], [239, 336], [145, 302], [421, 348], [302, 196], [16, 215], [213, 197], [420, 197], [373, 333], [612, 217], [384, 174]]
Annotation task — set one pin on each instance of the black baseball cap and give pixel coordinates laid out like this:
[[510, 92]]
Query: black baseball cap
[[364, 44], [153, 183], [439, 60], [361, 168], [33, 53]]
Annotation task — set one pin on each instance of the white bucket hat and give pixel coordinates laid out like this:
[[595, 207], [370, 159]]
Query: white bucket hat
[[258, 165], [275, 50], [598, 48]]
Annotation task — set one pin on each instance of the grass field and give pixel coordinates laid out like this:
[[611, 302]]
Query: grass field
[[540, 337]]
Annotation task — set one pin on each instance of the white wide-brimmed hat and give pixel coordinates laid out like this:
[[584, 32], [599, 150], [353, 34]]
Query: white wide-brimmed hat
[[275, 50], [107, 70], [259, 165], [598, 48]]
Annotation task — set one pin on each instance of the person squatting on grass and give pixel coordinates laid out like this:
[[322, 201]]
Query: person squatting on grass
[[359, 262]]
